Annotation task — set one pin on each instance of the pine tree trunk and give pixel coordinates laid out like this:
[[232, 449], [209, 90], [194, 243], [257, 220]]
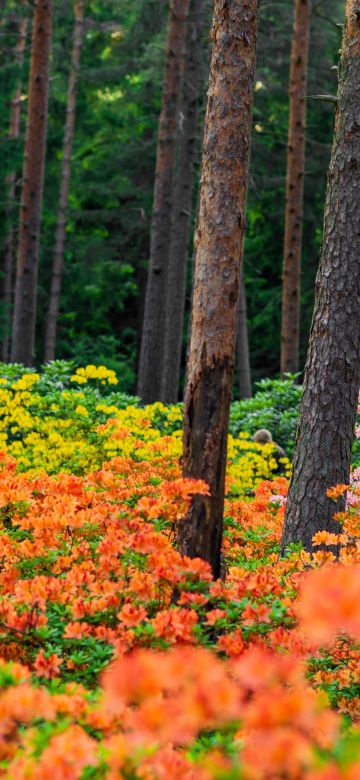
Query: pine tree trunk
[[23, 334], [14, 132], [332, 375], [217, 272], [182, 208], [57, 272], [290, 325], [149, 377], [244, 369]]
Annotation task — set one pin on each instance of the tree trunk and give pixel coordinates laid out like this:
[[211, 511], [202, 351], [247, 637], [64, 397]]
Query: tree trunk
[[14, 132], [217, 272], [290, 325], [149, 378], [182, 208], [23, 335], [244, 369], [56, 279], [332, 375]]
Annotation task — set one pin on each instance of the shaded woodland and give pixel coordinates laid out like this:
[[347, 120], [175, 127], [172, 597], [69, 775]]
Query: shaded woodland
[[116, 100]]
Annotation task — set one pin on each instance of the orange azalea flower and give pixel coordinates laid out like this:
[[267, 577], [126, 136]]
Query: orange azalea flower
[[169, 764], [47, 666], [260, 613], [321, 557], [214, 615], [195, 599], [77, 630], [175, 624], [232, 644], [24, 703], [324, 537], [131, 615], [142, 585], [66, 755], [281, 752], [329, 603], [118, 748], [336, 492], [217, 589]]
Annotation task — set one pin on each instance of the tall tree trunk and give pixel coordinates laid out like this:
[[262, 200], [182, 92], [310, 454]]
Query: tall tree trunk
[[217, 272], [23, 334], [57, 272], [290, 325], [244, 369], [182, 208], [149, 377], [332, 375], [14, 132]]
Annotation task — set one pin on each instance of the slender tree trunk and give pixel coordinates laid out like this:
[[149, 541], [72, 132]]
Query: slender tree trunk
[[56, 279], [332, 375], [217, 271], [23, 334], [244, 369], [182, 207], [149, 378], [290, 325], [14, 132]]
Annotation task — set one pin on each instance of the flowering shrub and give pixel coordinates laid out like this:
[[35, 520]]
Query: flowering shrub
[[122, 659], [275, 405], [73, 421]]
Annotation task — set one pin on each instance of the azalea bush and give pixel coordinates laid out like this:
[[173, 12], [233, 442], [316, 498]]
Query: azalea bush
[[74, 420], [275, 406], [120, 658]]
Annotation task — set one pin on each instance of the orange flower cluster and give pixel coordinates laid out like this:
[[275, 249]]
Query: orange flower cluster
[[329, 602], [153, 707], [203, 680]]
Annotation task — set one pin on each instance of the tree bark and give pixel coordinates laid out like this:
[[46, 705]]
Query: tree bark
[[14, 132], [244, 369], [23, 334], [290, 325], [182, 207], [332, 375], [149, 376], [217, 272], [58, 262]]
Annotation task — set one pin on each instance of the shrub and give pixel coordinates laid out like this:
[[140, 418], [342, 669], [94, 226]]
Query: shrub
[[275, 406]]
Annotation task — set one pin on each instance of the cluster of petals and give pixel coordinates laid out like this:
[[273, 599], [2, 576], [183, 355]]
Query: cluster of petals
[[89, 566]]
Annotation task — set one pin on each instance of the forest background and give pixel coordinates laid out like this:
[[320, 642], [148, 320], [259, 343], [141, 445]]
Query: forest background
[[112, 178]]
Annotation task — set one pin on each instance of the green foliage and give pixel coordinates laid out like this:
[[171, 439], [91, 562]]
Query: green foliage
[[109, 216], [275, 406]]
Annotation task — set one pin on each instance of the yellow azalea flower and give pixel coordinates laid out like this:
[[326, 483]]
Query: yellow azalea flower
[[81, 410]]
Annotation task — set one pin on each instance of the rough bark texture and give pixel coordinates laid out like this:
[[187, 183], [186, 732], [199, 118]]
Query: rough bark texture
[[244, 370], [217, 271], [23, 334], [182, 207], [332, 375], [14, 132], [57, 272], [290, 324], [149, 374]]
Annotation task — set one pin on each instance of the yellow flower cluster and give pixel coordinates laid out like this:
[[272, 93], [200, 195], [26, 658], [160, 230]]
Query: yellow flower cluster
[[26, 382], [73, 431], [101, 373], [249, 463]]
